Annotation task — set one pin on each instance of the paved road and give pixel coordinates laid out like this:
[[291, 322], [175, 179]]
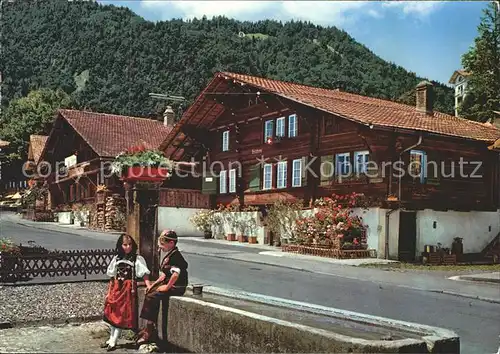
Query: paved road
[[476, 322], [51, 240]]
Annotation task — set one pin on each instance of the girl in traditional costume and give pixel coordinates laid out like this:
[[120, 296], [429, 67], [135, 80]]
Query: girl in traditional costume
[[121, 304]]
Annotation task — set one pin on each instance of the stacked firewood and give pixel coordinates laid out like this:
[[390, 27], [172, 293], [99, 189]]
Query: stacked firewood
[[114, 213], [100, 216]]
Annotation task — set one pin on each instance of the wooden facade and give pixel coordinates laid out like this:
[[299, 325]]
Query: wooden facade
[[225, 130], [76, 184]]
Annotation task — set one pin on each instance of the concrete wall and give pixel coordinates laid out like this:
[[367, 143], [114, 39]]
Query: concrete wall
[[199, 326], [476, 228], [65, 217], [178, 220]]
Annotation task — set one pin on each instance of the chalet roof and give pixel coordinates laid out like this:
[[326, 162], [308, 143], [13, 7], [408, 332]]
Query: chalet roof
[[357, 108], [37, 143], [456, 73], [109, 134], [376, 111]]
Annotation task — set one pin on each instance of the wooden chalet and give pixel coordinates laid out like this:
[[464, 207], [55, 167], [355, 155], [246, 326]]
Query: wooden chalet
[[275, 129], [35, 148], [78, 151]]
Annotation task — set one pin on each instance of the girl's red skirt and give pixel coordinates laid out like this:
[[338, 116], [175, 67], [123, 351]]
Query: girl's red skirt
[[120, 306]]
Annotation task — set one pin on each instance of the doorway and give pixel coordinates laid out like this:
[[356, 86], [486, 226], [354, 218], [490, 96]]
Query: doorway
[[407, 240]]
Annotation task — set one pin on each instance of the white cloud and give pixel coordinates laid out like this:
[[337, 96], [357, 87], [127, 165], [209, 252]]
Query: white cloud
[[417, 8], [339, 13]]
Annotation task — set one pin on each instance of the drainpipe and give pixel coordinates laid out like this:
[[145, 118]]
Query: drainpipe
[[387, 216], [401, 153]]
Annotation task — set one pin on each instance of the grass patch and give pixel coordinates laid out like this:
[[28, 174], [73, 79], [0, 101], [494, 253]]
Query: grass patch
[[450, 268]]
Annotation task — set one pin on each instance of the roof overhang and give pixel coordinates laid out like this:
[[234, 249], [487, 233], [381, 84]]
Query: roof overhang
[[457, 73]]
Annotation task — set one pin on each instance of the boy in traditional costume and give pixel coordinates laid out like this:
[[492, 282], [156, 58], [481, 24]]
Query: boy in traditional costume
[[172, 281], [121, 305]]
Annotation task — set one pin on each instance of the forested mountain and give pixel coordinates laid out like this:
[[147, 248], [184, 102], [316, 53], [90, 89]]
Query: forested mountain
[[108, 58]]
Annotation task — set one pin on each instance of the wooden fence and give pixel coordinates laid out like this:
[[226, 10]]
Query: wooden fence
[[42, 263], [184, 198]]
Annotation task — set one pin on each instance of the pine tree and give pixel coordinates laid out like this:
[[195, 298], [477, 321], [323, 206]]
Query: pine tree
[[482, 61]]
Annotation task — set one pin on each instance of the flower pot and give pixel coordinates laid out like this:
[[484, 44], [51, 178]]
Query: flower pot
[[231, 237], [242, 238], [145, 174], [207, 234], [252, 239]]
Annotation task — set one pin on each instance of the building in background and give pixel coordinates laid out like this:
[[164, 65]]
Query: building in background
[[459, 80]]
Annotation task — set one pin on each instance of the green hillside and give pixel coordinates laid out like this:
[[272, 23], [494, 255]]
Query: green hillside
[[108, 59]]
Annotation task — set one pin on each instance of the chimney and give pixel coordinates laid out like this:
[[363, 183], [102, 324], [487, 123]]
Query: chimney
[[425, 97], [169, 117]]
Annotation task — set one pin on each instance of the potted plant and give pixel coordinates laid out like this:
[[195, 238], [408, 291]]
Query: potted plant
[[230, 218], [203, 221], [138, 163]]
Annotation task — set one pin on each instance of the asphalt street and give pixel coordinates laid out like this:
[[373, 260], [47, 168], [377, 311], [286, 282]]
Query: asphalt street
[[476, 322]]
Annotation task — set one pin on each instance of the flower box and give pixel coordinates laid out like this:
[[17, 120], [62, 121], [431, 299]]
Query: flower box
[[145, 174]]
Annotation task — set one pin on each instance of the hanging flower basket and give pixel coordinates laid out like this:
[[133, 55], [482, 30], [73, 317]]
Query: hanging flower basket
[[145, 174], [142, 164]]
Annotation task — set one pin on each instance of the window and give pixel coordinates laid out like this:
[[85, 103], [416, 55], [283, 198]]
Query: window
[[268, 176], [268, 129], [297, 173], [280, 126], [223, 182], [232, 180], [343, 164], [418, 165], [281, 175], [361, 161], [225, 140], [292, 126], [282, 129]]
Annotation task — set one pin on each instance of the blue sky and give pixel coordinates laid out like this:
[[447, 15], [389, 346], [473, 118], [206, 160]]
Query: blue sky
[[425, 37]]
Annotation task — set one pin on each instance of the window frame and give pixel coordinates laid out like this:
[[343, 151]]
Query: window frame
[[423, 164], [284, 167], [357, 154], [225, 140], [223, 182], [337, 156], [268, 133], [264, 173], [280, 123], [232, 181], [297, 174]]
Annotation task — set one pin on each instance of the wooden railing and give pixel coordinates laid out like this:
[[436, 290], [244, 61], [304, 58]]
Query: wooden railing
[[183, 198], [42, 263]]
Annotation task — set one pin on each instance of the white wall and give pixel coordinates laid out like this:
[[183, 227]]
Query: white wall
[[178, 220], [473, 227], [374, 220], [64, 217]]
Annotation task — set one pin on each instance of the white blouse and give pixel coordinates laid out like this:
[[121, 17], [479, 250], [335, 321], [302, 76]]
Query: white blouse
[[141, 267]]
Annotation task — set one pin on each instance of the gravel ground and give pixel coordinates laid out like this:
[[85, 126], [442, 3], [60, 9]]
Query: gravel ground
[[54, 302]]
